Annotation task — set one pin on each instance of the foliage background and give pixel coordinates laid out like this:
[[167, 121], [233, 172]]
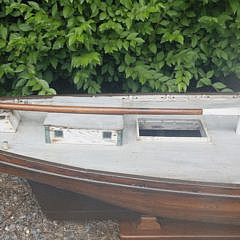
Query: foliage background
[[128, 45]]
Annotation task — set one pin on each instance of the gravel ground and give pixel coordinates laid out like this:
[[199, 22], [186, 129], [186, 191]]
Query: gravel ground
[[21, 218]]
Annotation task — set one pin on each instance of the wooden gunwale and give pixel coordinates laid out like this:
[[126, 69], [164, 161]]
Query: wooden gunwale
[[218, 203], [119, 178]]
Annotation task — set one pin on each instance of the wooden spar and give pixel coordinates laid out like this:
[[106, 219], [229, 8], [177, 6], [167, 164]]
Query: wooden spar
[[99, 110]]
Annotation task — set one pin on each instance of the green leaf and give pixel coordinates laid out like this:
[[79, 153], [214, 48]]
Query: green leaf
[[42, 92], [199, 84], [219, 85], [51, 91], [224, 55], [94, 9], [76, 78], [194, 41], [54, 62], [31, 82], [132, 36], [20, 83], [206, 81], [153, 48], [121, 68], [67, 11], [210, 74], [182, 87], [128, 23], [54, 10], [25, 27], [126, 45], [20, 68], [34, 5], [3, 32], [58, 43], [72, 39], [43, 83], [235, 5], [129, 59], [126, 3], [227, 90], [86, 59], [132, 85], [204, 47], [179, 38], [138, 40], [102, 16], [36, 87], [2, 43], [208, 20]]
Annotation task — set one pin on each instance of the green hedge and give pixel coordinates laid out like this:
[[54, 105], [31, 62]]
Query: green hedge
[[139, 45]]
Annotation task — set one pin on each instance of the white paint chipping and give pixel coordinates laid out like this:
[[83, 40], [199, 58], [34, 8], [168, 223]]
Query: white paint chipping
[[82, 136], [9, 121], [5, 145]]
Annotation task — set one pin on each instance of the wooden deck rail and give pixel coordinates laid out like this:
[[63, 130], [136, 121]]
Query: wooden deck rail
[[99, 110]]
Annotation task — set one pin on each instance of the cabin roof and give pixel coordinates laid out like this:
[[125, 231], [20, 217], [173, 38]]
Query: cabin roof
[[85, 121]]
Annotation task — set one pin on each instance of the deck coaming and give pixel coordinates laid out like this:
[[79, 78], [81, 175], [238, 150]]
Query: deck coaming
[[214, 161]]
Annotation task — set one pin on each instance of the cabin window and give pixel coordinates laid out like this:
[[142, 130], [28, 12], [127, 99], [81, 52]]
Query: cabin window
[[58, 133], [170, 129], [107, 135]]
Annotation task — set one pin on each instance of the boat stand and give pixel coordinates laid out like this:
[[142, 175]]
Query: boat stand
[[151, 228], [58, 204]]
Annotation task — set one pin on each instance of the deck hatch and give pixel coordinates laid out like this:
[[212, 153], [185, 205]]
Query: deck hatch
[[171, 129]]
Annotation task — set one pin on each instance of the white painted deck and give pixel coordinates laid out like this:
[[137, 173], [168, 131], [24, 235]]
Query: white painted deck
[[216, 160]]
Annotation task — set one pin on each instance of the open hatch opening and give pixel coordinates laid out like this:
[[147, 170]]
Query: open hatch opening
[[154, 129]]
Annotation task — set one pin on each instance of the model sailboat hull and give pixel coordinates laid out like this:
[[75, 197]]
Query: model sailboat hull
[[194, 178], [184, 200]]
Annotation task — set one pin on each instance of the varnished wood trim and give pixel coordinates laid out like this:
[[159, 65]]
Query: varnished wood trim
[[98, 110]]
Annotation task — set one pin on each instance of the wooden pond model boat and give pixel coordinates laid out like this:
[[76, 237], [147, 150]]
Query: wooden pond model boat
[[173, 156]]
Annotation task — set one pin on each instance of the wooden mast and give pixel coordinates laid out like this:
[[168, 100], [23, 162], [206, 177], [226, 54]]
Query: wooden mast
[[99, 110]]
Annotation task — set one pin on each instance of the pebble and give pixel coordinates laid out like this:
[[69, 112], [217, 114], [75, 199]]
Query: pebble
[[12, 227], [59, 234], [27, 222]]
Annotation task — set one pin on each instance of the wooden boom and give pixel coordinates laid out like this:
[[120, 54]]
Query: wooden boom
[[99, 110]]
